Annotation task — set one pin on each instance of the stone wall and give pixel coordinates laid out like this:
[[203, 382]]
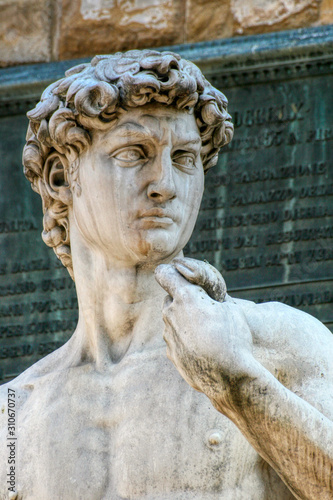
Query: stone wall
[[53, 30]]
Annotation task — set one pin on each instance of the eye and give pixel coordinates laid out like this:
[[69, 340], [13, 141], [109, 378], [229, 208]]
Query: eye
[[184, 160], [130, 155]]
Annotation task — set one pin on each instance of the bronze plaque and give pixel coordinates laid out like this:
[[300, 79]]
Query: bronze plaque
[[267, 214]]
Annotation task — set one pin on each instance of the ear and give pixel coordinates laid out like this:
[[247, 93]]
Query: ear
[[55, 178]]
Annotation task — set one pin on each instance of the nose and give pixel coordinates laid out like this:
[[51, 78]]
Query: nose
[[161, 185]]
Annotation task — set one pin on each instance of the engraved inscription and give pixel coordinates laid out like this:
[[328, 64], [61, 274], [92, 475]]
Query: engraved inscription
[[38, 308]]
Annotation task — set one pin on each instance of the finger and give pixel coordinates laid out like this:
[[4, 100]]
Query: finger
[[204, 275], [170, 330], [168, 339], [167, 319], [171, 280], [167, 303], [166, 335]]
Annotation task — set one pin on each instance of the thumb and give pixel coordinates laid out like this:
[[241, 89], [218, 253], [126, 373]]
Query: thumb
[[171, 280], [202, 274]]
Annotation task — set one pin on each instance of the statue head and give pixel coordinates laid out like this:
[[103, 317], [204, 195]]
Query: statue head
[[90, 101]]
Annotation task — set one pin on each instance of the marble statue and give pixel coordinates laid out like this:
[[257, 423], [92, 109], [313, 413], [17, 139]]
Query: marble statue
[[118, 149]]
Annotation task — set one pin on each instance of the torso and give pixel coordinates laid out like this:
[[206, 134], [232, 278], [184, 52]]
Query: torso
[[137, 432]]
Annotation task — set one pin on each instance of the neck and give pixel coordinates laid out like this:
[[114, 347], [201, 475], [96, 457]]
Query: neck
[[119, 307]]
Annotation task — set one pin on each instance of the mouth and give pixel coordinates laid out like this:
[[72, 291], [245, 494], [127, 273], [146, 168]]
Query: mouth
[[156, 217]]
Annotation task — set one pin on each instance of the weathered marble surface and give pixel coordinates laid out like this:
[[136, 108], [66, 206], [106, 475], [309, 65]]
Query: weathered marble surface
[[38, 30], [117, 151]]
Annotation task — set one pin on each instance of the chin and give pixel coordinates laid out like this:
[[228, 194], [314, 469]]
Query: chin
[[150, 252]]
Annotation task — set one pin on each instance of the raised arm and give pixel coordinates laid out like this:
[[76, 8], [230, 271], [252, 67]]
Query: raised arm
[[214, 347]]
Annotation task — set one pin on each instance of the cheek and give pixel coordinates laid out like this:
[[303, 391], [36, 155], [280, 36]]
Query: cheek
[[191, 199], [193, 194], [94, 209]]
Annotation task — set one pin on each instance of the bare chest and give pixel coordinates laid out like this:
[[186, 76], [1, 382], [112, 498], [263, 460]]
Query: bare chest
[[137, 433]]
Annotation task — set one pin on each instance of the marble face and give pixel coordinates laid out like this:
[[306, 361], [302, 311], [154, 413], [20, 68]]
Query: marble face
[[141, 186]]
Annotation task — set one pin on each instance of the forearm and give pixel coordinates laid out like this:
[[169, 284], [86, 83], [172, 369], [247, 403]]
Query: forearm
[[290, 434], [212, 344]]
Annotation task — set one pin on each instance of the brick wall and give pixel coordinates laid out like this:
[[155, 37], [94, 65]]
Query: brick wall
[[53, 30]]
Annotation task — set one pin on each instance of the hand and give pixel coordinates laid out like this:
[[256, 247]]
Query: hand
[[209, 342]]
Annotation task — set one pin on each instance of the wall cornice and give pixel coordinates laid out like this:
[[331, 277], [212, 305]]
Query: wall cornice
[[226, 63]]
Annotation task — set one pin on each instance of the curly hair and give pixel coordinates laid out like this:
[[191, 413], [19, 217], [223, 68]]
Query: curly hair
[[88, 98]]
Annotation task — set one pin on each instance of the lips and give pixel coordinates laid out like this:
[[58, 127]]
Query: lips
[[156, 212], [156, 217]]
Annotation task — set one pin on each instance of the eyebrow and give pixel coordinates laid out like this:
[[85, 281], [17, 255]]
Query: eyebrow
[[189, 140], [138, 132], [130, 127]]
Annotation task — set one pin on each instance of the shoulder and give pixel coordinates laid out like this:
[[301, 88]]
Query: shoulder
[[276, 324], [23, 385], [18, 390], [295, 347]]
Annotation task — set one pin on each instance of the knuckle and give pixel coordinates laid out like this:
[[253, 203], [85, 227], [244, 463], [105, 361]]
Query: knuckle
[[167, 301], [167, 305], [168, 334], [184, 294], [167, 315]]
